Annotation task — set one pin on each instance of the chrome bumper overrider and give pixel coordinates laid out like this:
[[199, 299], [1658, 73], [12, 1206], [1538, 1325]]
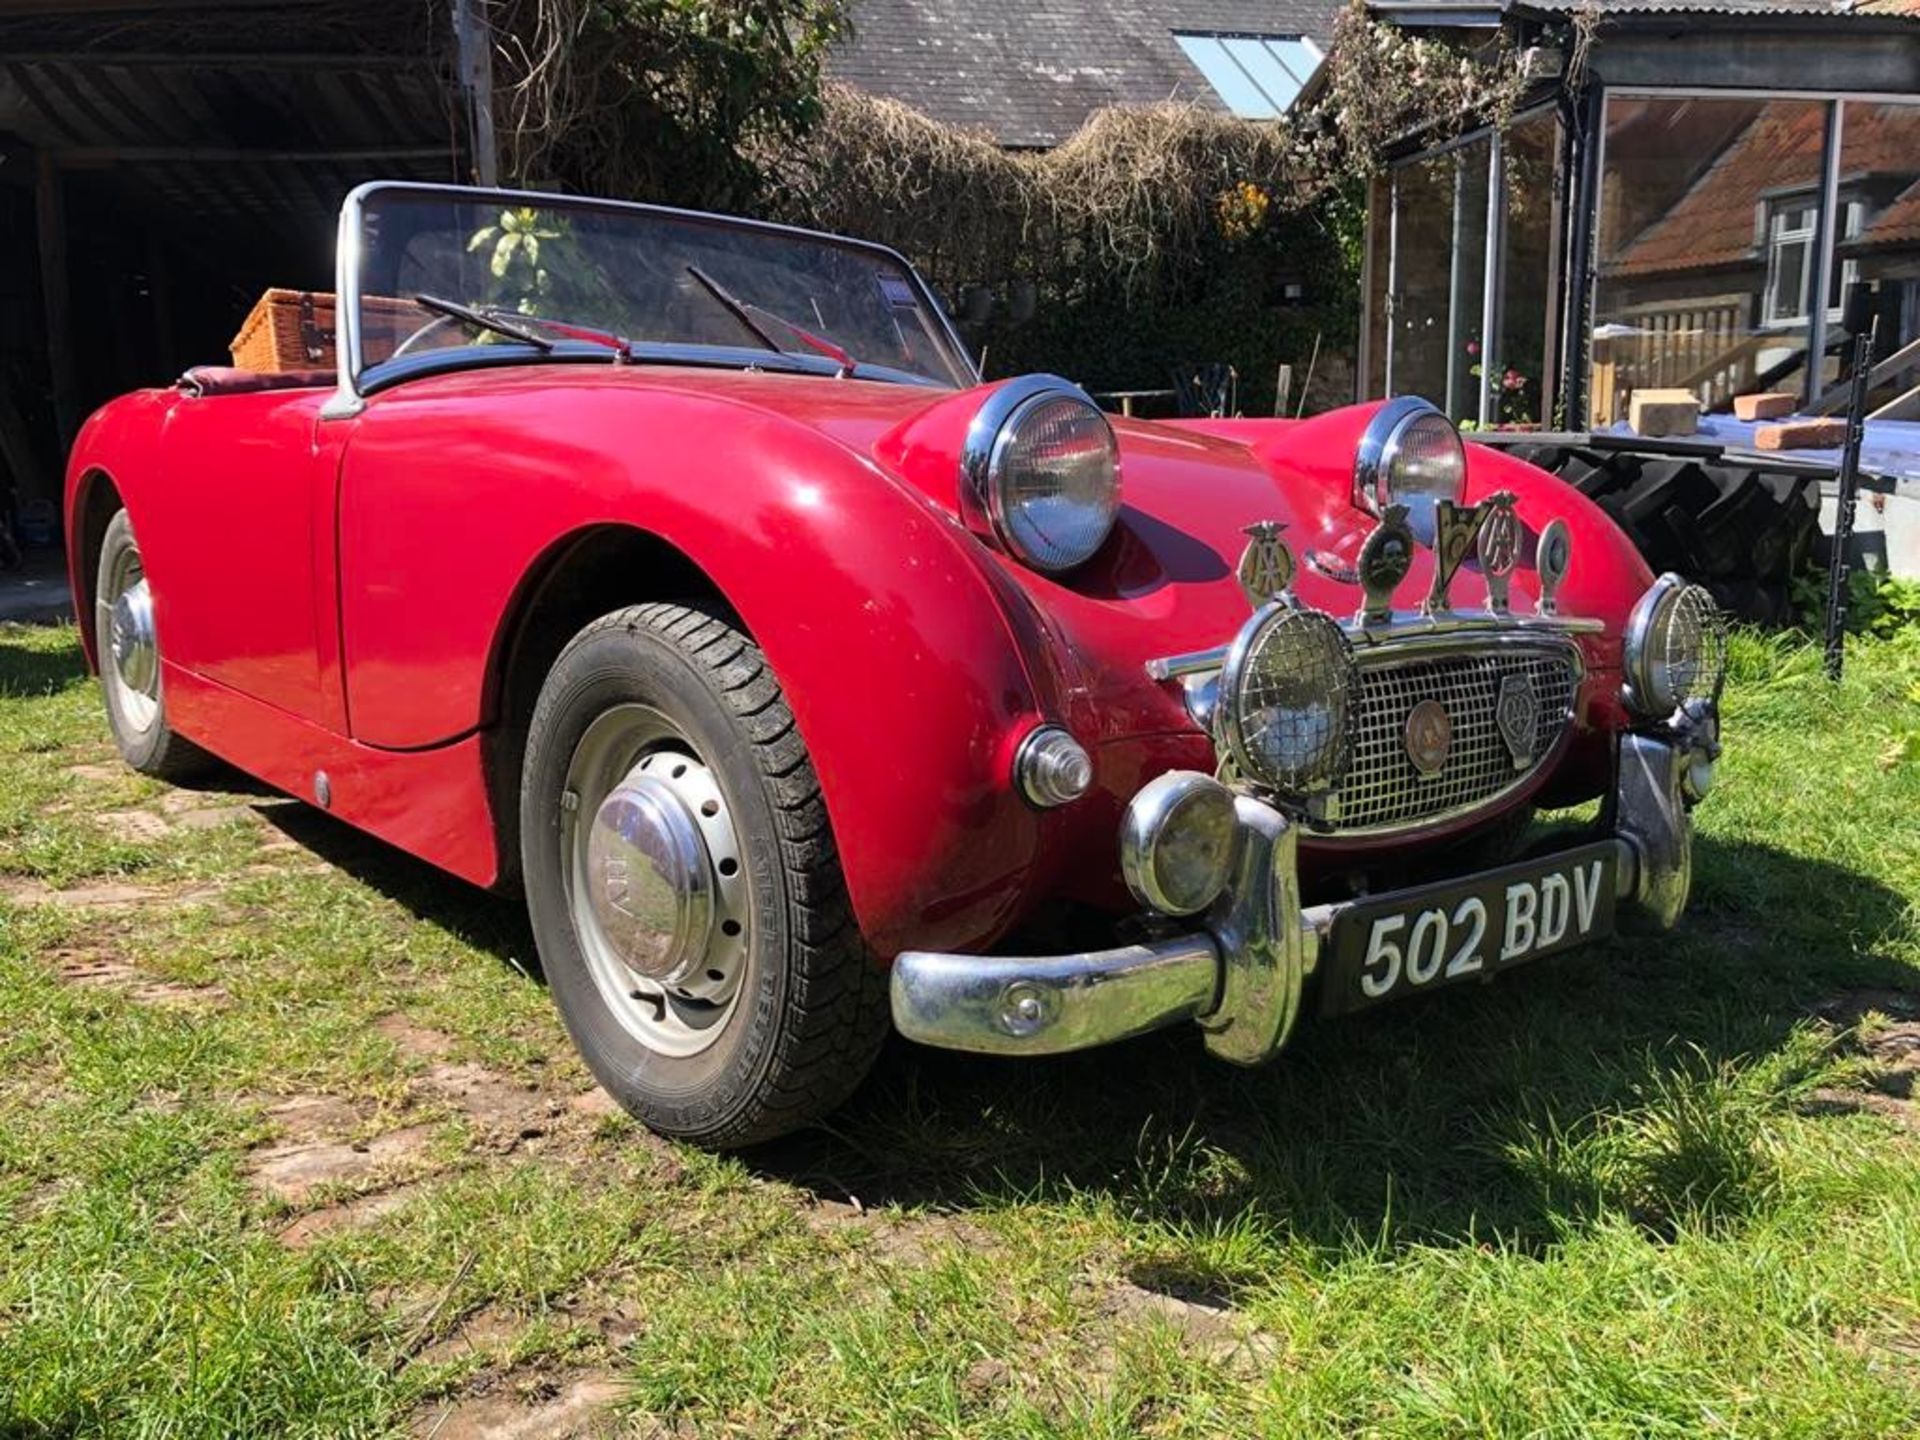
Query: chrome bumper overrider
[[1242, 975]]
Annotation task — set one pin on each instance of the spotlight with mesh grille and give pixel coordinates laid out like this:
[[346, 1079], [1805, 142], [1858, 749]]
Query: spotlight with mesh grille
[[1286, 692]]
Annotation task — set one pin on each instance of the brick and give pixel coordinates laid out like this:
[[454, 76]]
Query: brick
[[1769, 405], [1663, 412], [1802, 435]]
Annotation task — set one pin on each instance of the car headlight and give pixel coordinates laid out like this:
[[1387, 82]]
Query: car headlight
[[1042, 469], [1676, 648], [1285, 692], [1411, 455]]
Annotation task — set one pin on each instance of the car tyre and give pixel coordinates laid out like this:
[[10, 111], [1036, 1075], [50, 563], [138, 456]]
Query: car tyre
[[781, 1008], [129, 654]]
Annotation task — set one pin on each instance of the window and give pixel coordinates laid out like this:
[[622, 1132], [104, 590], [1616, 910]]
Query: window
[[1255, 76], [1792, 231], [1789, 262]]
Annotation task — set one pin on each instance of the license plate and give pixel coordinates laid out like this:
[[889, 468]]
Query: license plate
[[1421, 939]]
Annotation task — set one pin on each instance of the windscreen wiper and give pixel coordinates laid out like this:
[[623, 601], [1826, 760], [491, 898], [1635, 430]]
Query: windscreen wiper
[[745, 310], [483, 320]]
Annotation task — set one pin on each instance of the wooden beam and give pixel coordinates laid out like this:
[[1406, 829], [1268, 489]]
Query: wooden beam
[[50, 225], [473, 44], [226, 60], [94, 155]]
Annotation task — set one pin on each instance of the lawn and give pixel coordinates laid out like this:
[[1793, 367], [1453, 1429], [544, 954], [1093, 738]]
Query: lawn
[[291, 1143]]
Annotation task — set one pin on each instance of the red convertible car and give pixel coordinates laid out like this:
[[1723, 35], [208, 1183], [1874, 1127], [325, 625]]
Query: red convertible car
[[683, 573]]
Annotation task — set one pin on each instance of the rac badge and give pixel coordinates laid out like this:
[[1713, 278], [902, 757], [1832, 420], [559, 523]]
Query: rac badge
[[1428, 737], [1517, 712], [1266, 565]]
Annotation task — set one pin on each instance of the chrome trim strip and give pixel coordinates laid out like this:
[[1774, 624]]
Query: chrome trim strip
[[1406, 627]]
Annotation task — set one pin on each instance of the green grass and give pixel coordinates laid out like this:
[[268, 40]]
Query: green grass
[[1643, 1190]]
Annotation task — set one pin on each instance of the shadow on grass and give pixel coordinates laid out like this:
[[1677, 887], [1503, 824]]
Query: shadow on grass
[[1493, 1110], [496, 924], [30, 667], [1597, 1080]]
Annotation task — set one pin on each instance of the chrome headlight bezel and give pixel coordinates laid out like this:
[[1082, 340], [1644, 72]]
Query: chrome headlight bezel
[[1318, 638], [988, 501], [1379, 462], [1660, 679]]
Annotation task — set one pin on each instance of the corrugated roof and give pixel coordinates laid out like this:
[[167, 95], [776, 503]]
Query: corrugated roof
[[1029, 74]]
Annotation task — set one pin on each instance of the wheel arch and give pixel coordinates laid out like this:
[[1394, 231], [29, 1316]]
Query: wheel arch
[[96, 499], [579, 577]]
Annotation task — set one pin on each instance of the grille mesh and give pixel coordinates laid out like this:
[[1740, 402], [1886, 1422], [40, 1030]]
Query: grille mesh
[[1384, 790]]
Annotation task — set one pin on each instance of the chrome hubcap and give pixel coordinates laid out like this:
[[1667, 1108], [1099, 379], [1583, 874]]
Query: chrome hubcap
[[131, 635], [657, 891], [123, 619]]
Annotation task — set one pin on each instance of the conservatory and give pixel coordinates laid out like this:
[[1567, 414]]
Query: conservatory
[[1714, 198]]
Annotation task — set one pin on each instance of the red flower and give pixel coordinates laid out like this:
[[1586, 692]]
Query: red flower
[[1473, 347]]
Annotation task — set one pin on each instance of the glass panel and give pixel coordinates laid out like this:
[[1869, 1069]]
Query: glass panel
[[569, 269], [1379, 236], [1229, 81], [1519, 376], [1708, 211], [1264, 69], [1440, 278], [1876, 271]]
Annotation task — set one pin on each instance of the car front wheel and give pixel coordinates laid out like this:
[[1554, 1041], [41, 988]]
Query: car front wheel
[[685, 892]]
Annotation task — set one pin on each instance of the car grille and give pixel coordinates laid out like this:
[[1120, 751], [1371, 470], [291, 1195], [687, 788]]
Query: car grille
[[1383, 790]]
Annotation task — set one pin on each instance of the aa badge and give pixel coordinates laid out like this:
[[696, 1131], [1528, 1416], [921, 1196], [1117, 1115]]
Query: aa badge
[[1499, 548], [1266, 565]]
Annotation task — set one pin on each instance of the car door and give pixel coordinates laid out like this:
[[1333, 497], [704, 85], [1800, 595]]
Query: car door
[[238, 544]]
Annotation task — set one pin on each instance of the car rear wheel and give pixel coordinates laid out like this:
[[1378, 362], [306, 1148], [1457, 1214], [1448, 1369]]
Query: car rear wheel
[[683, 884], [129, 650]]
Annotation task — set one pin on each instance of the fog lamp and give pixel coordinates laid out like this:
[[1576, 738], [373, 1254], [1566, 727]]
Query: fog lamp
[[1676, 648], [1052, 767], [1176, 842]]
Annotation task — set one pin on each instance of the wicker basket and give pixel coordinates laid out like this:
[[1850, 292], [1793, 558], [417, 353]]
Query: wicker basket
[[286, 330], [293, 330]]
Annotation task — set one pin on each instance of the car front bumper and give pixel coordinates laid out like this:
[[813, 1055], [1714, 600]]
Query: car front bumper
[[1243, 973]]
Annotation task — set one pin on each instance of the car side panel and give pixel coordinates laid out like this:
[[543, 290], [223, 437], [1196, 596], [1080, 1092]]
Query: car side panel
[[430, 803], [236, 547], [895, 656]]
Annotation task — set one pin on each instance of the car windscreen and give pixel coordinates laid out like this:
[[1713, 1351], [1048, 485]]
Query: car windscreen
[[571, 269]]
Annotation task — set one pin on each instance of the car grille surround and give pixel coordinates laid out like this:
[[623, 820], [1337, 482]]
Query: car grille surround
[[1384, 791]]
